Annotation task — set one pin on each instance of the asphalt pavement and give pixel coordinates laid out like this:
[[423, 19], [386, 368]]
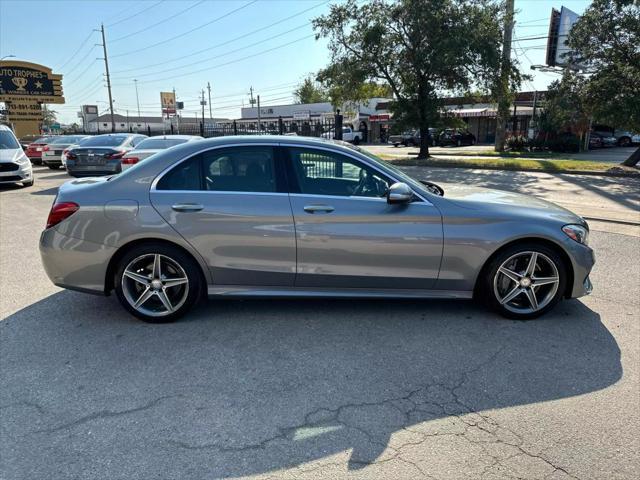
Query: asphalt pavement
[[300, 389]]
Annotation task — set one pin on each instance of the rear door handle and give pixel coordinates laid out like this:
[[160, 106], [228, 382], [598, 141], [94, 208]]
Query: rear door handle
[[319, 209], [187, 207]]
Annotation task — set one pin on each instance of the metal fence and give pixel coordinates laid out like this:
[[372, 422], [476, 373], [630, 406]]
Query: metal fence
[[327, 127]]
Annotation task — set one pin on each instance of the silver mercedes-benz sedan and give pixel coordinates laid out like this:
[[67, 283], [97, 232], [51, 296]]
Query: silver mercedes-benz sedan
[[288, 216]]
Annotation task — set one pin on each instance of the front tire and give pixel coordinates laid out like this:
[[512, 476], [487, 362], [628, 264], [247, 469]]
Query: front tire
[[158, 283], [524, 281], [29, 183]]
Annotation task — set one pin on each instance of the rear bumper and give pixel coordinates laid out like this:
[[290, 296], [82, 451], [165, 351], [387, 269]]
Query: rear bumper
[[92, 170], [73, 263]]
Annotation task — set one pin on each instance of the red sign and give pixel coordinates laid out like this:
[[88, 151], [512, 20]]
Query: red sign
[[383, 117]]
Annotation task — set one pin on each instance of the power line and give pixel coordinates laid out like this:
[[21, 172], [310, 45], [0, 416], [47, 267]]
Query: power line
[[68, 74], [129, 17], [198, 62], [231, 61], [143, 67], [168, 19], [79, 76], [185, 33], [84, 42]]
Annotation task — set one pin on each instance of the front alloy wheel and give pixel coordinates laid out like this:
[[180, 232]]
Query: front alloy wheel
[[157, 284], [526, 282]]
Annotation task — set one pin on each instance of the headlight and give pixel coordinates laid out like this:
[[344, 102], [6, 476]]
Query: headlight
[[22, 159], [577, 233]]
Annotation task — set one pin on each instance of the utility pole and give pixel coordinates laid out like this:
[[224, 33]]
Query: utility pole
[[176, 114], [259, 127], [503, 91], [209, 89], [106, 67], [203, 103], [251, 101], [137, 99]]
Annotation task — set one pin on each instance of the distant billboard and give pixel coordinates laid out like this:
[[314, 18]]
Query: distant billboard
[[560, 25]]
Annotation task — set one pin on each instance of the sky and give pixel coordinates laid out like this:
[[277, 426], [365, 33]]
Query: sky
[[184, 44]]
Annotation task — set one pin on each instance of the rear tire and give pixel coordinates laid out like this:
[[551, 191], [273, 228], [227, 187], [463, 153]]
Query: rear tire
[[512, 288], [159, 292], [53, 167]]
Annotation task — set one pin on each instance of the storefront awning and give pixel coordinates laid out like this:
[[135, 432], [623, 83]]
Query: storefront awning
[[472, 112]]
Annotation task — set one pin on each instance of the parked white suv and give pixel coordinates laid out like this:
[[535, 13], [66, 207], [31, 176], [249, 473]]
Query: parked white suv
[[15, 166]]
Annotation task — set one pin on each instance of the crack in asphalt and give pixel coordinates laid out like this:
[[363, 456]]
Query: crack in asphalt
[[106, 414], [450, 405]]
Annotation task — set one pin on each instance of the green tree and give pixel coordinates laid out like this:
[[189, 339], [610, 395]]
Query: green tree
[[309, 92], [564, 108], [421, 49], [604, 41], [49, 117]]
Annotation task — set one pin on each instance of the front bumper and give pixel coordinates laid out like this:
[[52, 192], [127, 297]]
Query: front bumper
[[24, 173], [73, 263], [583, 259]]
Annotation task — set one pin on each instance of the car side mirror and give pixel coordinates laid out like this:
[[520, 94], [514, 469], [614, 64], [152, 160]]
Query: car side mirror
[[399, 193]]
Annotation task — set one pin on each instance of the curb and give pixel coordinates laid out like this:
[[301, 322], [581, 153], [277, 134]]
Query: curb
[[612, 220], [532, 170]]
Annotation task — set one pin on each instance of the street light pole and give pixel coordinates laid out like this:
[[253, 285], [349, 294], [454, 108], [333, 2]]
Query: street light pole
[[209, 88]]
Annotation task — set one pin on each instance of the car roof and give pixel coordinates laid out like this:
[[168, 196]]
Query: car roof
[[4, 127], [254, 139]]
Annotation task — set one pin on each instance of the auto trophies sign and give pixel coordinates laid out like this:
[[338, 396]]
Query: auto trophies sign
[[24, 87]]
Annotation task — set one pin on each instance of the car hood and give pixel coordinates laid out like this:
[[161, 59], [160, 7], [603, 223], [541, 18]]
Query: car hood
[[490, 200], [11, 154]]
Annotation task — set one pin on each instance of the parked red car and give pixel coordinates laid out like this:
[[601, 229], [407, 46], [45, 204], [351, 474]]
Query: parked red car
[[34, 149]]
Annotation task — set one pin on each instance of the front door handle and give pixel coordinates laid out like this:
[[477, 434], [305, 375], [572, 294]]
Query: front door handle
[[319, 209], [187, 207]]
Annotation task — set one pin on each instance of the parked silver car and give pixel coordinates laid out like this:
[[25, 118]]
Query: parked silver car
[[152, 145], [292, 216], [101, 155], [15, 166], [53, 151]]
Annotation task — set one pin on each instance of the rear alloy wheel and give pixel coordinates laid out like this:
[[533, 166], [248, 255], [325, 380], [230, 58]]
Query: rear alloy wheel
[[524, 282], [158, 283]]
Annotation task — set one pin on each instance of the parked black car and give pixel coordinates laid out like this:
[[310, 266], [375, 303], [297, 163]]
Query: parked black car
[[411, 138], [101, 155], [456, 137]]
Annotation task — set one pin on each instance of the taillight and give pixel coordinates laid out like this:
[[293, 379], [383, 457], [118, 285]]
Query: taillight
[[71, 156], [45, 148], [115, 155], [130, 160], [60, 211]]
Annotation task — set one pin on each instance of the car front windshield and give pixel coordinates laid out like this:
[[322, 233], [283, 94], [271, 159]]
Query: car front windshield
[[159, 143], [105, 141], [8, 141]]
